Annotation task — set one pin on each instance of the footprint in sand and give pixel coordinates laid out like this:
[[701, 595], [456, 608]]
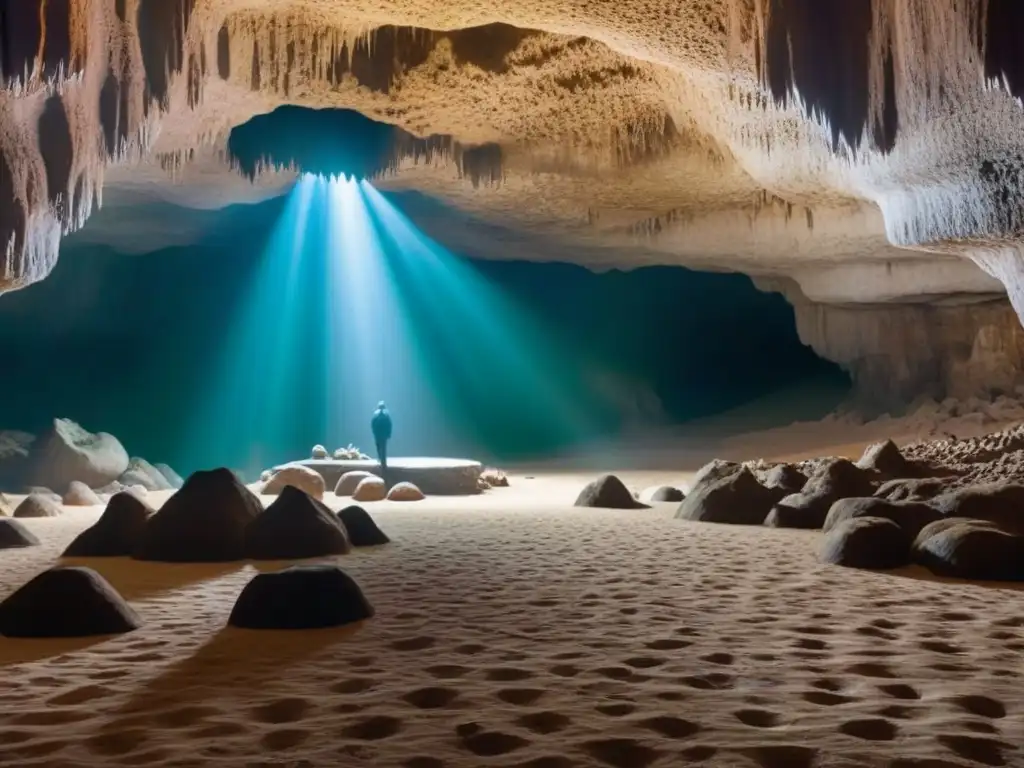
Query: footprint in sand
[[977, 748], [668, 644], [289, 710], [544, 722], [616, 709], [353, 685], [671, 727], [900, 691], [488, 743], [285, 738], [520, 697], [507, 674], [185, 716], [982, 706], [870, 729], [621, 753], [80, 695], [373, 728], [431, 697], [757, 718], [420, 643]]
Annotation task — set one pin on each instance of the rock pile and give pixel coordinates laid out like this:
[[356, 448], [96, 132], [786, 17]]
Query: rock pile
[[953, 506]]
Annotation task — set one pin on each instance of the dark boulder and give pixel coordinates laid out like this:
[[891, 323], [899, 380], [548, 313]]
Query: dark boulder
[[914, 489], [293, 527], [737, 499], [839, 479], [666, 493], [362, 529], [970, 549], [610, 493], [885, 459], [14, 535], [866, 542], [713, 471], [203, 522], [66, 602], [911, 516], [38, 505], [1000, 503], [300, 597], [798, 510], [118, 531], [785, 476]]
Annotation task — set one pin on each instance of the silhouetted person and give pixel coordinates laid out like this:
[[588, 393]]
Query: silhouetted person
[[381, 426]]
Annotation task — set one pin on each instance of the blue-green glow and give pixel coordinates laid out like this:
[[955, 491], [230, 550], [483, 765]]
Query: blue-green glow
[[353, 304]]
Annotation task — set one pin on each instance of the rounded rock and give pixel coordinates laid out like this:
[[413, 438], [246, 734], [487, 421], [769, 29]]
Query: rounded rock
[[305, 479], [370, 489], [37, 505], [301, 597], [404, 492]]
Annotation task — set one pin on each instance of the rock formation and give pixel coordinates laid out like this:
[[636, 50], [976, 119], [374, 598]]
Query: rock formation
[[349, 481], [807, 145], [204, 521], [610, 492], [140, 472], [362, 529], [117, 533], [38, 505], [66, 602], [14, 534], [67, 452], [403, 492], [296, 476], [370, 489], [81, 495], [295, 526], [300, 597]]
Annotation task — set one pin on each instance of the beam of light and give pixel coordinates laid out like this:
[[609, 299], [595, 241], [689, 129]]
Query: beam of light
[[250, 390], [509, 376], [352, 304]]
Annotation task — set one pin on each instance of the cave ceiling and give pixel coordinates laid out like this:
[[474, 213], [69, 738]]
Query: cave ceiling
[[863, 150]]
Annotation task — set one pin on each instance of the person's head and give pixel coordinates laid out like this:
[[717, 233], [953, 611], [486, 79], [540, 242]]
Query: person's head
[[381, 405]]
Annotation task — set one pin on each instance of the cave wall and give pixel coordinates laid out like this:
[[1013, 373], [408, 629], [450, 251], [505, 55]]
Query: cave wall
[[896, 353]]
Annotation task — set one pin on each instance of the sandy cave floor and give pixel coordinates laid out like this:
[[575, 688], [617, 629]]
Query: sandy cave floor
[[515, 630]]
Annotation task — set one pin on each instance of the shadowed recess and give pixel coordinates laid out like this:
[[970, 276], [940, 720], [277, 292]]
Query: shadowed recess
[[57, 147], [821, 51], [162, 26], [29, 28], [1004, 42], [341, 142]]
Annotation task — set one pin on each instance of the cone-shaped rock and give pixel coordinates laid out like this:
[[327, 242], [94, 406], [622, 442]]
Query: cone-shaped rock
[[295, 526], [300, 597], [203, 522], [38, 505], [885, 457], [737, 499], [608, 492], [118, 531], [66, 602], [362, 529], [81, 495], [14, 534]]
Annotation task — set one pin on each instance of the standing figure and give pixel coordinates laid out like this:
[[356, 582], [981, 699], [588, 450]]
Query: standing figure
[[381, 426]]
